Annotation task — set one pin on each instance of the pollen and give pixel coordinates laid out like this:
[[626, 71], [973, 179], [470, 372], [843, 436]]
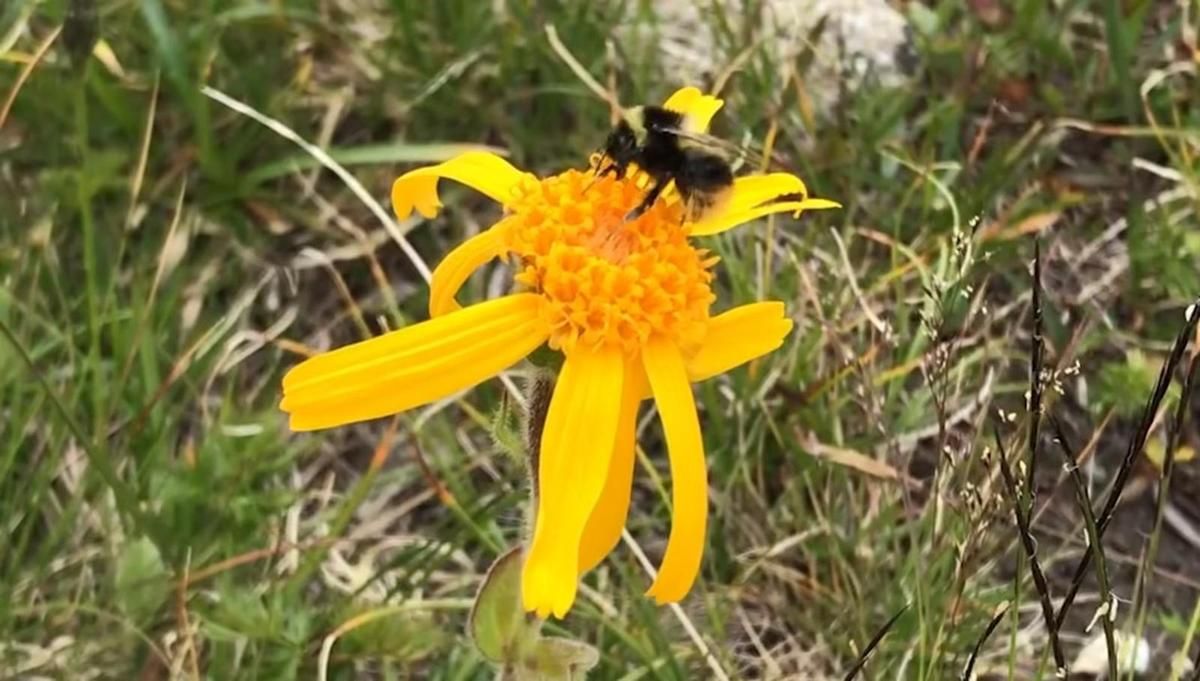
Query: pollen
[[606, 281]]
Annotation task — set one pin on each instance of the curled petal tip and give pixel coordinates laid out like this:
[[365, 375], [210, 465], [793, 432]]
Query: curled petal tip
[[818, 204]]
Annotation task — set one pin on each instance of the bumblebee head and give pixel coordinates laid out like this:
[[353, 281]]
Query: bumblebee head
[[621, 147]]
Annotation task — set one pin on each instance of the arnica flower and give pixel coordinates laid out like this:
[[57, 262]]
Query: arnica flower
[[625, 302]]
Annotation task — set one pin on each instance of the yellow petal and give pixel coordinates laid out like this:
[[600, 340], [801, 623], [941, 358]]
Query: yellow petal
[[818, 204], [485, 172], [727, 220], [751, 191], [458, 265], [697, 107], [689, 483], [604, 526], [577, 443], [738, 336], [414, 365]]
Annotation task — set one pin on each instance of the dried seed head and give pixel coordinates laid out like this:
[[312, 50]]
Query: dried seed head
[[81, 29]]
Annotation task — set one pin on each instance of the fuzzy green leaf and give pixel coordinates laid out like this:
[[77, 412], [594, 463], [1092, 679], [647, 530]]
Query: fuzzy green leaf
[[498, 624], [141, 580]]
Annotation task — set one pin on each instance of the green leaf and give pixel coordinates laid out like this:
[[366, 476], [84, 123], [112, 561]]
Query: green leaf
[[1122, 385], [558, 659], [498, 624], [404, 637], [924, 19], [141, 580]]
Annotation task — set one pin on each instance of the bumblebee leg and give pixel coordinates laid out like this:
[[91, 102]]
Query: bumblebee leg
[[616, 170], [651, 197]]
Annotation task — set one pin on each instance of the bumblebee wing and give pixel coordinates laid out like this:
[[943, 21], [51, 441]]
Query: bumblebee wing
[[733, 153]]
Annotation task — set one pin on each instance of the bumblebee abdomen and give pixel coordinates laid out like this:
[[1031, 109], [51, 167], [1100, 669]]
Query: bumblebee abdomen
[[704, 181], [703, 172]]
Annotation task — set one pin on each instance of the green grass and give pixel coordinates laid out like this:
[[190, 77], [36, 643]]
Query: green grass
[[160, 520]]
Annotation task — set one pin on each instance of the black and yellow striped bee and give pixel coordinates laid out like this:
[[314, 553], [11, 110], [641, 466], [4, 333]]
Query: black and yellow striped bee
[[658, 142]]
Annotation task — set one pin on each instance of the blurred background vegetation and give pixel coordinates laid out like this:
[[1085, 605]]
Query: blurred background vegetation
[[163, 259]]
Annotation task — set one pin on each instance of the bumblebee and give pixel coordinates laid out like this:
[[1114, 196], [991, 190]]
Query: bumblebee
[[658, 141]]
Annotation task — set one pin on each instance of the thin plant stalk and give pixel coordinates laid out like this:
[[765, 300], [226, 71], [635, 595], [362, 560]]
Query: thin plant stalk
[[1035, 568], [1095, 543]]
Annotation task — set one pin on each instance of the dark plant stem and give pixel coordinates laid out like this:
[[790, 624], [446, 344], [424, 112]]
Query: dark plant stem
[[1030, 545], [1095, 543], [1036, 359], [866, 653], [1136, 444], [541, 389], [991, 627]]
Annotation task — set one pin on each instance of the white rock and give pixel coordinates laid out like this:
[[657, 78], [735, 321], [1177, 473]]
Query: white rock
[[863, 40], [1093, 658]]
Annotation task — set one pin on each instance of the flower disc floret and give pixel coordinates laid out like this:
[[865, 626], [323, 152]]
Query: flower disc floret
[[607, 281]]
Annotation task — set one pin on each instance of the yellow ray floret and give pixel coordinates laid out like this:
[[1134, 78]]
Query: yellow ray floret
[[577, 445], [484, 171], [607, 519], [698, 108], [738, 336], [413, 366], [689, 480]]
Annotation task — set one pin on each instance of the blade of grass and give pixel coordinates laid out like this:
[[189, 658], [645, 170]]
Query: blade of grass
[[1196, 668], [714, 665], [362, 619], [126, 498], [368, 154], [26, 71], [1180, 659], [1120, 56], [357, 494], [172, 52], [320, 155]]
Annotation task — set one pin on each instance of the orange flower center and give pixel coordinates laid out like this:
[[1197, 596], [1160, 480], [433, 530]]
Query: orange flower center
[[607, 281]]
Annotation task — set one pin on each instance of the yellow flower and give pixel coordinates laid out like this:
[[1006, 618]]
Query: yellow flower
[[627, 303]]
